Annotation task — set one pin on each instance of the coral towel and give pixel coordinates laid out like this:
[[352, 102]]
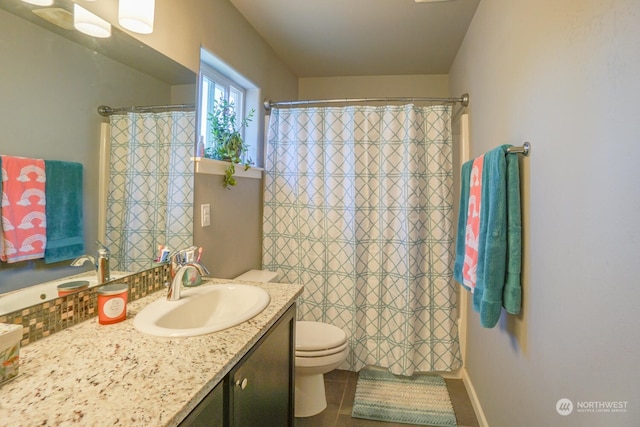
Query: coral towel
[[472, 230], [23, 209]]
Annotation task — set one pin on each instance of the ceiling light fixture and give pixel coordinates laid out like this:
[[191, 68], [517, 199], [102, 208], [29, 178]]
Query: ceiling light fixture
[[90, 24], [137, 15], [39, 2]]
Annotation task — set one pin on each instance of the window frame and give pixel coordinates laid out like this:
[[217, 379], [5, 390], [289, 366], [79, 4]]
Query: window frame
[[230, 88]]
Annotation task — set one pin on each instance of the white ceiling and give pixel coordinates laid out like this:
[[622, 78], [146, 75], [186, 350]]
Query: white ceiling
[[326, 38]]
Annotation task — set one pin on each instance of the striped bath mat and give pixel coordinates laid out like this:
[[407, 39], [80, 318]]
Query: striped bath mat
[[421, 399]]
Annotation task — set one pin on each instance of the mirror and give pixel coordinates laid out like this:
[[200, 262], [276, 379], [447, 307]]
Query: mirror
[[52, 80]]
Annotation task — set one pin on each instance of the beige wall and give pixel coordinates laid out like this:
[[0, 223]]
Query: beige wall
[[233, 241], [373, 86], [563, 75]]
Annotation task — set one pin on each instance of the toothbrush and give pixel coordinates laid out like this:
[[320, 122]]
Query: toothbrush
[[164, 256], [199, 254]]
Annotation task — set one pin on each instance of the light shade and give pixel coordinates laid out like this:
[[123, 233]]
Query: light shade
[[90, 24], [39, 2], [137, 15]]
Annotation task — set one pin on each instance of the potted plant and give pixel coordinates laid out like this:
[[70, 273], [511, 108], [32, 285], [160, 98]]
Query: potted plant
[[227, 143]]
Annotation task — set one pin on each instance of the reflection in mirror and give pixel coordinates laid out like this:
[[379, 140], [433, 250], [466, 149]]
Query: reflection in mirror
[[52, 80], [149, 207], [41, 292]]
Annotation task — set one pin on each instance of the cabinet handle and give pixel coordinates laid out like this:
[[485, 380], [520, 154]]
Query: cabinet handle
[[242, 384]]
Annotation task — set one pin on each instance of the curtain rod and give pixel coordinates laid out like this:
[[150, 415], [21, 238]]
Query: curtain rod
[[268, 104], [106, 111]]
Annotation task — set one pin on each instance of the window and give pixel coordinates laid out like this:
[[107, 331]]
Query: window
[[213, 87]]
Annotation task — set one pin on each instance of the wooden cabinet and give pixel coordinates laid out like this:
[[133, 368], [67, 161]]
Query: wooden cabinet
[[261, 385], [259, 390], [210, 411]]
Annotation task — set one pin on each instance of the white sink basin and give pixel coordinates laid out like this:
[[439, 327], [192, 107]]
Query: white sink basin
[[202, 310]]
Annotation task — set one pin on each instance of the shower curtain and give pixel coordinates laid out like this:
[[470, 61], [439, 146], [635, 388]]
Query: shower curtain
[[150, 196], [358, 208]]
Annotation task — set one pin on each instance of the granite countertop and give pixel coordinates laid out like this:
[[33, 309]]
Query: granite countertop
[[99, 375]]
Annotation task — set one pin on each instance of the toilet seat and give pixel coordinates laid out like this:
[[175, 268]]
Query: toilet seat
[[318, 353], [318, 336], [315, 362]]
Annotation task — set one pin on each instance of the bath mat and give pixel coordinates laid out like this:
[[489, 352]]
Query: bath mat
[[421, 399]]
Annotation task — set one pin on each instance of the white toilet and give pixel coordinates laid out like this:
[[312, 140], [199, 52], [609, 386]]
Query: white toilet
[[320, 348]]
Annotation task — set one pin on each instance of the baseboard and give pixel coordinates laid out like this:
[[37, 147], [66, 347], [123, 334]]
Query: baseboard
[[475, 402]]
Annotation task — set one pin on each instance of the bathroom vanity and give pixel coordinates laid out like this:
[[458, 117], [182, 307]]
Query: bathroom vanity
[[94, 374], [259, 389]]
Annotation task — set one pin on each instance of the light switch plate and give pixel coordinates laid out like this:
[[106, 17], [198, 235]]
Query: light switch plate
[[205, 214]]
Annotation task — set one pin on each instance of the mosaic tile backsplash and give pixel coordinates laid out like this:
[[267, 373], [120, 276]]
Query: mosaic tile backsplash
[[41, 320]]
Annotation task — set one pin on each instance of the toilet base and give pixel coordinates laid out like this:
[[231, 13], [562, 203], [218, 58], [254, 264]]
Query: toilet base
[[310, 395]]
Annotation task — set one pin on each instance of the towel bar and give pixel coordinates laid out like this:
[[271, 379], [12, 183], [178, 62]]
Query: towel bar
[[525, 149]]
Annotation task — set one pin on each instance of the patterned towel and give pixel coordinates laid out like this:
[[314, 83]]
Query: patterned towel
[[23, 209], [472, 231]]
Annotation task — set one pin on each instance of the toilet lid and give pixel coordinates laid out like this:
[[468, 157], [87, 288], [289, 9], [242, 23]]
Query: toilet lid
[[313, 336]]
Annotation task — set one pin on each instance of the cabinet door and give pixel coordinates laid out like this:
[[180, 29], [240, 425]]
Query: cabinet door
[[209, 412], [261, 385]]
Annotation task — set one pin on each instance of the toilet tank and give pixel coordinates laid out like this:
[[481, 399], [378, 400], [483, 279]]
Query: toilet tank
[[259, 276]]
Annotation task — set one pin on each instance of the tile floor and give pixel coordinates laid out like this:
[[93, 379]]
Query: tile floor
[[341, 388]]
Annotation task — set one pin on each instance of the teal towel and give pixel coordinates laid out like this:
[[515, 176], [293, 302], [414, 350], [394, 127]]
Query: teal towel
[[463, 211], [500, 241], [492, 249], [65, 230], [512, 293]]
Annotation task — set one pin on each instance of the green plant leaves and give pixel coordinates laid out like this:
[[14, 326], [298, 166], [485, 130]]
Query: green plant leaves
[[228, 144]]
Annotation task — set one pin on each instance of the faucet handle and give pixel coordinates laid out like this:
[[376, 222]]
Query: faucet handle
[[186, 257], [204, 271]]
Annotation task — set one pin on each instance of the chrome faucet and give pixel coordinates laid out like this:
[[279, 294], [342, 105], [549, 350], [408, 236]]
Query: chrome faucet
[[100, 262], [199, 270]]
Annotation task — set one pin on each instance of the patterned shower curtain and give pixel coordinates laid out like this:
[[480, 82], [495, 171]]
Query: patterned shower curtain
[[150, 198], [358, 208]]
